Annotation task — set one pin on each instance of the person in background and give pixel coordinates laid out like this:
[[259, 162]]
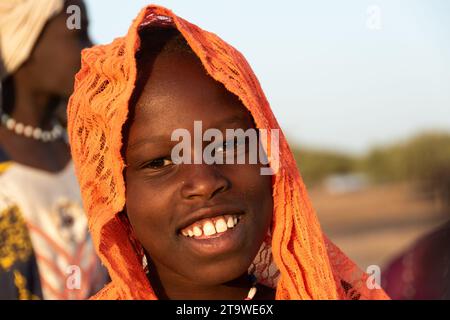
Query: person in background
[[45, 248], [422, 272]]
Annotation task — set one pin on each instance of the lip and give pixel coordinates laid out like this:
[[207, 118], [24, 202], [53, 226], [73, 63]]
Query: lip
[[219, 243]]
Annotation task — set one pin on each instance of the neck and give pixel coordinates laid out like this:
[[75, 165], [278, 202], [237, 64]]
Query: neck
[[35, 108], [29, 106], [173, 287]]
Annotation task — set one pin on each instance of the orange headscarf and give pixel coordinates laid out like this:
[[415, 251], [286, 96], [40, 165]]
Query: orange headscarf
[[295, 258]]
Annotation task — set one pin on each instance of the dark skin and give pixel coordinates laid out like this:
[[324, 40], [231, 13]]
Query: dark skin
[[34, 92], [160, 194]]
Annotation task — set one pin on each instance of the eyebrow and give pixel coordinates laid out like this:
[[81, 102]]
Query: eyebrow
[[143, 141], [233, 119], [165, 138]]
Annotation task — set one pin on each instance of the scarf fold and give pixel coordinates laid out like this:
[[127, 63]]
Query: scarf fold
[[295, 257]]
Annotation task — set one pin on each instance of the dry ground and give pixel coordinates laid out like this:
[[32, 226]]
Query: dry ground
[[375, 224]]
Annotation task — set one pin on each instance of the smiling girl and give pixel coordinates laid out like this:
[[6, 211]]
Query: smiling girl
[[169, 230]]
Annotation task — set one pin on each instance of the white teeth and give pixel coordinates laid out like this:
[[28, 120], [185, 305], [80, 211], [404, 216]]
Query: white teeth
[[197, 231], [230, 222], [221, 225], [208, 228]]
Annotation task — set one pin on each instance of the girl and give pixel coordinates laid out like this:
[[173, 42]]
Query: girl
[[171, 230]]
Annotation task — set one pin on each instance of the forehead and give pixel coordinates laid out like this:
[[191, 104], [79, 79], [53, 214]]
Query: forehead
[[58, 24], [179, 91]]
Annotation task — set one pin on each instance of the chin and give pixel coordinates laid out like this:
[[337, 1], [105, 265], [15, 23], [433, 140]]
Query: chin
[[221, 272]]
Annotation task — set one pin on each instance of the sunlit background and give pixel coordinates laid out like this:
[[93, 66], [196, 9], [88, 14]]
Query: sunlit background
[[333, 79], [361, 89]]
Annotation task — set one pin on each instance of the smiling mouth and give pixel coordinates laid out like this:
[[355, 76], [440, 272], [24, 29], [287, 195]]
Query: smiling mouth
[[209, 228]]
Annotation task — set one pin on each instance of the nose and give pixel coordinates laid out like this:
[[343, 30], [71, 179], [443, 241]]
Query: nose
[[203, 181]]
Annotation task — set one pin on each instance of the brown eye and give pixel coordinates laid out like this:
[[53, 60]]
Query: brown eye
[[224, 147], [158, 163], [230, 145]]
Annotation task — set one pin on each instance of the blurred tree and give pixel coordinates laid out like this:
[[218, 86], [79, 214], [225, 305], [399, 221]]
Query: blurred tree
[[315, 165], [424, 158]]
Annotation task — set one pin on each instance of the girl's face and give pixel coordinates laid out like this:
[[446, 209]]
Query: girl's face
[[164, 200]]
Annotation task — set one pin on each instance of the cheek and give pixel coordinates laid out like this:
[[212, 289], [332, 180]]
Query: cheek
[[66, 65], [256, 190], [149, 211], [248, 179], [59, 63]]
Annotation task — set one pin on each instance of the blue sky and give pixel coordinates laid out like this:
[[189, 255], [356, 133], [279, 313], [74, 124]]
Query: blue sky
[[332, 81]]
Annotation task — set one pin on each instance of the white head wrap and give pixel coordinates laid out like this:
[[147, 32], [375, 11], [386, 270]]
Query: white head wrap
[[21, 22]]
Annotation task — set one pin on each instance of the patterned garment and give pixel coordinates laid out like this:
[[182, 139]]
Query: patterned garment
[[45, 248], [19, 277]]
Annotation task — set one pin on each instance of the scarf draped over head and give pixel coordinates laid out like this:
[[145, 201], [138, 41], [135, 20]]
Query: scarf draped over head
[[21, 23], [295, 257]]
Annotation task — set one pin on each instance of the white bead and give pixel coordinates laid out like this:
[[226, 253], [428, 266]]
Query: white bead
[[46, 136], [37, 132], [4, 118], [10, 123], [28, 131], [56, 133], [57, 130], [19, 128]]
